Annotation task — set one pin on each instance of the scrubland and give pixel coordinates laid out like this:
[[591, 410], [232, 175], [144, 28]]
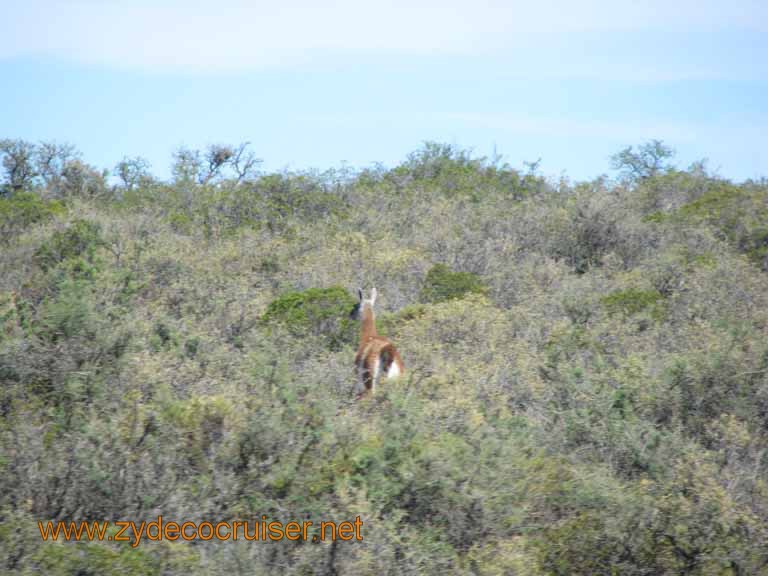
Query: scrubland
[[587, 365]]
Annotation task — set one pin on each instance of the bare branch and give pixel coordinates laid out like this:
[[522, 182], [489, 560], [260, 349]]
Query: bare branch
[[244, 163]]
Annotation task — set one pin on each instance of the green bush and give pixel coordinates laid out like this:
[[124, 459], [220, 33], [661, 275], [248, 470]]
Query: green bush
[[321, 312], [81, 238], [442, 284], [453, 172], [633, 301], [163, 337], [755, 245], [297, 196], [737, 213], [96, 558], [22, 210], [588, 229], [388, 323], [70, 314]]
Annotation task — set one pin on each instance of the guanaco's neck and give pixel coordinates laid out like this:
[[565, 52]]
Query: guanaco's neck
[[368, 324]]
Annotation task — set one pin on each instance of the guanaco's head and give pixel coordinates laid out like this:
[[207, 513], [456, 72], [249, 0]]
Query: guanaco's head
[[363, 304]]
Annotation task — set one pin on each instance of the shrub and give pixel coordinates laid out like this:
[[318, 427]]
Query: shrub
[[22, 210], [387, 324], [322, 312], [299, 196], [648, 161], [755, 245], [81, 238], [737, 213], [588, 228], [633, 301], [69, 315], [453, 172], [442, 284]]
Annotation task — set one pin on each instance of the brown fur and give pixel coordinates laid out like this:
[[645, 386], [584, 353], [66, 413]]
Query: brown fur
[[373, 350]]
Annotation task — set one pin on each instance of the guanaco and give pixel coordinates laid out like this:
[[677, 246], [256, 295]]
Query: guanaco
[[376, 355]]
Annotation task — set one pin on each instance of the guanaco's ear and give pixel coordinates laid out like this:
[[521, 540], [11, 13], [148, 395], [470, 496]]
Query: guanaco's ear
[[360, 294], [373, 296]]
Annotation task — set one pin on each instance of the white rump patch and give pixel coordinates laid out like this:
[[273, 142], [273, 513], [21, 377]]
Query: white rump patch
[[394, 370]]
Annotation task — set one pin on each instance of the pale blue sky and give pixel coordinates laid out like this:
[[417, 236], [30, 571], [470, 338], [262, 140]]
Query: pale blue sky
[[313, 84]]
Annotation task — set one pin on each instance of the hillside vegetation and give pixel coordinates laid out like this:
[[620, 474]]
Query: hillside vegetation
[[587, 365]]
